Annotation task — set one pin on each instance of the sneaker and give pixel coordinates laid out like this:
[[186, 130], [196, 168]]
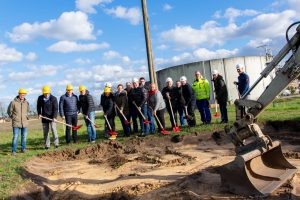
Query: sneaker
[[23, 151], [93, 141], [13, 153]]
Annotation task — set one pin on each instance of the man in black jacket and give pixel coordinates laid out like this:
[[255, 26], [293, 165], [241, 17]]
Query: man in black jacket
[[221, 95], [170, 95], [47, 106], [68, 110], [190, 101], [107, 103], [87, 106]]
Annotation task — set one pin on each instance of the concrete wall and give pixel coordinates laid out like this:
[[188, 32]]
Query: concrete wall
[[226, 67]]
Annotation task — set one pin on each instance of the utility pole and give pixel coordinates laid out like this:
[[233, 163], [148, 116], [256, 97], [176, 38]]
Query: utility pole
[[151, 69]]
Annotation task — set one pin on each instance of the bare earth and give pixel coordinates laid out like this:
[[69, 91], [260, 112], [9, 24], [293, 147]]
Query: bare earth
[[171, 168]]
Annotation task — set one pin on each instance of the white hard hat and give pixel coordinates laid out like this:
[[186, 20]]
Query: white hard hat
[[183, 78], [239, 66], [215, 72], [135, 80], [169, 79], [108, 84]]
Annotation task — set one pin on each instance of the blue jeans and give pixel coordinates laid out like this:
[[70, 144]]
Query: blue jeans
[[90, 127], [181, 115], [16, 132], [150, 118], [203, 108]]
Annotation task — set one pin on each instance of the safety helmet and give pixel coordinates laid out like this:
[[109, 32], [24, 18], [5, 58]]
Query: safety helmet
[[239, 66], [81, 88], [46, 89], [108, 84], [215, 72], [22, 91], [69, 87], [135, 80], [183, 78], [169, 79], [107, 90]]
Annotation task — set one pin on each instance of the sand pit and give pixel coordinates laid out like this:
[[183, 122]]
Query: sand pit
[[185, 167]]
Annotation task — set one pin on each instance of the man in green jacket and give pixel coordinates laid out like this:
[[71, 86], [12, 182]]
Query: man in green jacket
[[17, 111], [202, 92]]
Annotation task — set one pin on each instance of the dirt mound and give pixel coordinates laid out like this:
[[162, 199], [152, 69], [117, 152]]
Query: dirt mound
[[284, 125]]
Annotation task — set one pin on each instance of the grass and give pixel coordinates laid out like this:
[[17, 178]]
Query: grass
[[11, 167]]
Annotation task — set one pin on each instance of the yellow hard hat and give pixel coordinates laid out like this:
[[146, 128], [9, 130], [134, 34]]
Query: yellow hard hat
[[107, 90], [69, 87], [46, 89], [81, 88], [22, 91]]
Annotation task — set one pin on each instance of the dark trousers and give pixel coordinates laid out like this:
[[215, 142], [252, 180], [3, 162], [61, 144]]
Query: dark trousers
[[126, 127], [172, 120], [160, 115], [223, 110], [204, 110], [191, 112], [111, 121], [72, 120]]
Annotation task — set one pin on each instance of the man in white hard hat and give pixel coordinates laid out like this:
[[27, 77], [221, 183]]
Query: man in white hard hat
[[190, 101], [221, 94]]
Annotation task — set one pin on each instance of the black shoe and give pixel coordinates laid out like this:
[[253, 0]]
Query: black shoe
[[46, 148], [56, 147]]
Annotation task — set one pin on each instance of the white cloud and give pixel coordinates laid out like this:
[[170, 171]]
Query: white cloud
[[196, 55], [36, 72], [87, 6], [257, 43], [69, 26], [109, 55], [167, 7], [81, 61], [31, 56], [162, 47], [9, 54], [294, 5], [211, 33], [68, 46], [133, 15], [232, 13]]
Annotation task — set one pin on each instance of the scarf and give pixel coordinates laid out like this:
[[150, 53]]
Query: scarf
[[152, 92]]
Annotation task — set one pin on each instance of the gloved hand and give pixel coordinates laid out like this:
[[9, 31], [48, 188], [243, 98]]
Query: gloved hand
[[85, 116], [168, 95], [39, 116], [53, 120]]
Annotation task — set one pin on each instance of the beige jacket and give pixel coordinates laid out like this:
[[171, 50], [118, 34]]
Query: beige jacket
[[17, 111]]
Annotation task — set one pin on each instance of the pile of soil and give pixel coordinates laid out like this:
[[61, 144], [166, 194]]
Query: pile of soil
[[168, 167]]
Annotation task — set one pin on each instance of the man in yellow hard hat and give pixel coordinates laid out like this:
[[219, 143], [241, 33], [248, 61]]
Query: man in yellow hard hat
[[68, 110], [47, 108], [18, 111], [107, 103], [87, 106]]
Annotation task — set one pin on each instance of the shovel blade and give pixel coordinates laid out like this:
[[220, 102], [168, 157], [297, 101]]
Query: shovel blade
[[176, 129], [165, 132], [216, 115], [256, 173], [75, 128], [127, 122], [111, 132]]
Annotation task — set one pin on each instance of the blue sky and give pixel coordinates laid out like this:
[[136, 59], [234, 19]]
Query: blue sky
[[91, 42]]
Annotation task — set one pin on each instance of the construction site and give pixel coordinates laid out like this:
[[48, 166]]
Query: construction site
[[253, 155]]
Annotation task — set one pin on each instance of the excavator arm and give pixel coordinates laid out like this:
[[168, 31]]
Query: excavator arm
[[260, 167]]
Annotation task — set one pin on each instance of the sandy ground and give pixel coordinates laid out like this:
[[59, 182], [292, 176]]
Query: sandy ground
[[149, 168]]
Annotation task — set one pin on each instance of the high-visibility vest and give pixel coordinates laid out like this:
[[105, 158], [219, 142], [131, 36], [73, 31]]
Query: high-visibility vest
[[201, 89]]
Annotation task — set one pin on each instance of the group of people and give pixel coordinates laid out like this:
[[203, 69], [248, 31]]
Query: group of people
[[136, 102]]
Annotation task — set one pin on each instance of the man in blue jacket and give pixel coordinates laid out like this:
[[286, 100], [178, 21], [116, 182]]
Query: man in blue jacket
[[68, 110], [243, 80]]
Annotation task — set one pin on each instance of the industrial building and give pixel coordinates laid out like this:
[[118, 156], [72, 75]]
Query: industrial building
[[226, 67]]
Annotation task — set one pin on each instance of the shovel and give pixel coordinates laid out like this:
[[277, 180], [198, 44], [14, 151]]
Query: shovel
[[186, 114], [74, 128], [175, 128], [216, 115], [144, 118], [163, 131], [111, 132], [96, 126], [126, 121]]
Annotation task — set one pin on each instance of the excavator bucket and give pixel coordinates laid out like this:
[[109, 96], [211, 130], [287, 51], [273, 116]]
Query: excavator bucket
[[258, 172]]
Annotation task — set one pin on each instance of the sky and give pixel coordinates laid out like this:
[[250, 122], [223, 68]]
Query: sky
[[90, 42]]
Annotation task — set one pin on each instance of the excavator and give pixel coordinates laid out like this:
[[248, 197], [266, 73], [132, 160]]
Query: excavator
[[260, 167]]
